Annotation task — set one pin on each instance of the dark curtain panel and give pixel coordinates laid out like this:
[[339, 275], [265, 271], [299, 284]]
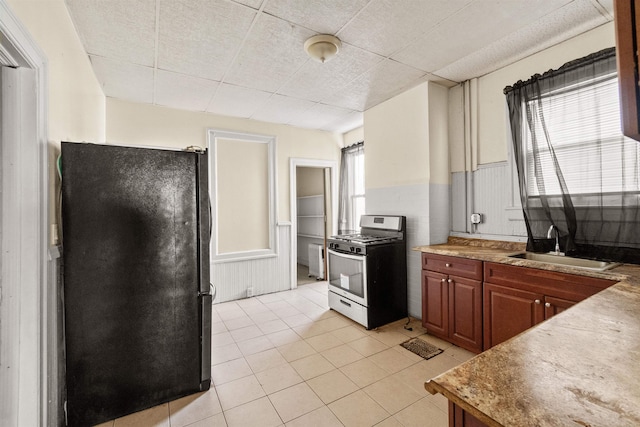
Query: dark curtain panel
[[599, 219], [346, 221]]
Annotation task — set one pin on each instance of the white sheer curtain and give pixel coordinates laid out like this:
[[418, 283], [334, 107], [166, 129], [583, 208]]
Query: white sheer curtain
[[351, 203]]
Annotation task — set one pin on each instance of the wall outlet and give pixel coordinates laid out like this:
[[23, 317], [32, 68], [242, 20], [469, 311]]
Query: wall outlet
[[476, 218]]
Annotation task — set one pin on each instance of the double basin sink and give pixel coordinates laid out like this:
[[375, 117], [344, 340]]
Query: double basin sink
[[550, 258]]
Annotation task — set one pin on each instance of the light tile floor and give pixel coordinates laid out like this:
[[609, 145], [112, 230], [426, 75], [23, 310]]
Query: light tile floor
[[285, 359]]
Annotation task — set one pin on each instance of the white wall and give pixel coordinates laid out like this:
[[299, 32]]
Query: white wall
[[492, 124], [396, 135], [407, 170], [139, 124], [76, 101], [309, 181], [76, 111], [353, 136], [490, 187]]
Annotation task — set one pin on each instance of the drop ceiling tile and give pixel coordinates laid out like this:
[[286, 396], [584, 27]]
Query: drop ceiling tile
[[283, 109], [490, 20], [384, 26], [314, 80], [320, 115], [255, 4], [237, 101], [184, 92], [118, 29], [346, 123], [606, 7], [323, 16], [123, 80], [574, 18], [387, 79], [202, 37], [272, 52]]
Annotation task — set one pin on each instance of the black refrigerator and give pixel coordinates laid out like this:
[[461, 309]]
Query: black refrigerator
[[137, 306]]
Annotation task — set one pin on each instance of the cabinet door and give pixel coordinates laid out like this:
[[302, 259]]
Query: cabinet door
[[627, 14], [553, 306], [508, 311], [465, 313], [435, 303], [458, 417]]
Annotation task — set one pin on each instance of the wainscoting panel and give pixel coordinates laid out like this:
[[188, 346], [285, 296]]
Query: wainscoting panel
[[263, 275], [414, 202], [492, 191]]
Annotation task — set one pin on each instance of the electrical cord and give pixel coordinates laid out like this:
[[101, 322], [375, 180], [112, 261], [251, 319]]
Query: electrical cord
[[407, 324]]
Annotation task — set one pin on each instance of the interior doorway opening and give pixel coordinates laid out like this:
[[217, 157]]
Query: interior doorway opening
[[313, 210], [311, 230]]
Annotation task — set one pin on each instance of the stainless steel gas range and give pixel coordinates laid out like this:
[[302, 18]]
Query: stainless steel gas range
[[368, 271]]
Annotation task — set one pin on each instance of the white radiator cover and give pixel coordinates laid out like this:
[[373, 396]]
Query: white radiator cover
[[316, 260]]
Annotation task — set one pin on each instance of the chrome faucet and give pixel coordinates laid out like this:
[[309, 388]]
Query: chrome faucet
[[549, 232]]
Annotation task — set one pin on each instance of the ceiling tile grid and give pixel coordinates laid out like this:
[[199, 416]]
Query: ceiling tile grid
[[283, 109], [271, 54], [182, 91], [384, 81], [386, 26], [116, 29], [314, 79], [569, 21], [448, 41], [245, 58], [190, 33], [322, 16], [237, 101], [124, 80]]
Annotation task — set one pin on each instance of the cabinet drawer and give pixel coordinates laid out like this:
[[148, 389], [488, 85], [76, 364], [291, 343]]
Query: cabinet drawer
[[553, 283], [455, 266]]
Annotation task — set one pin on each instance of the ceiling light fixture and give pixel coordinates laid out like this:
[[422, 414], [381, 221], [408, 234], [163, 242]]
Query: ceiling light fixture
[[322, 47]]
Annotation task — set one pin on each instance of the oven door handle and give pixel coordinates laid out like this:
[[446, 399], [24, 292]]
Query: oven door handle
[[343, 255]]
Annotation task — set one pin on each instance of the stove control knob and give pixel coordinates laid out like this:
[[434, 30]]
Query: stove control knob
[[352, 249], [358, 250]]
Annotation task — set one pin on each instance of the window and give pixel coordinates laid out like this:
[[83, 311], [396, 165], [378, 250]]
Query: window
[[352, 203], [243, 195], [357, 199], [576, 171], [583, 126]]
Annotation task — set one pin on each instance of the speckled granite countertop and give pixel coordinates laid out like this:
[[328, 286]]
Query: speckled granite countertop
[[579, 368]]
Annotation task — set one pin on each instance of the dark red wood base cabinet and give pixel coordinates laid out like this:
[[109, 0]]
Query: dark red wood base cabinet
[[460, 418], [452, 299], [517, 298]]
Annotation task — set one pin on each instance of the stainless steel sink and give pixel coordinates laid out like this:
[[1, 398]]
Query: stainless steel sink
[[587, 264]]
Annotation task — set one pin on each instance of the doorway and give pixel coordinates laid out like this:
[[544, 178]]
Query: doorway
[[313, 209], [311, 235], [28, 328]]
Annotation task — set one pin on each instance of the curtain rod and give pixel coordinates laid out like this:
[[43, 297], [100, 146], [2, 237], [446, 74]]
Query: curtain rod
[[357, 144], [568, 66]]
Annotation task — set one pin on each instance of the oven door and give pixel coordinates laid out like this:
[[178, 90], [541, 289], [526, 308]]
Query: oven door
[[348, 275]]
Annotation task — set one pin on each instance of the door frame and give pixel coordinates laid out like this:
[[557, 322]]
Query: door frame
[[294, 163], [28, 268]]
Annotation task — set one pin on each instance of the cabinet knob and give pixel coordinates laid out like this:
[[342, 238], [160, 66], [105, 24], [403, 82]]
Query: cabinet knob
[[547, 304], [443, 280], [447, 265], [537, 301], [450, 281]]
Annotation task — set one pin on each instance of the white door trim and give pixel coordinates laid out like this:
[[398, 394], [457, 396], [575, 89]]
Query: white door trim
[[294, 163], [26, 247]]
